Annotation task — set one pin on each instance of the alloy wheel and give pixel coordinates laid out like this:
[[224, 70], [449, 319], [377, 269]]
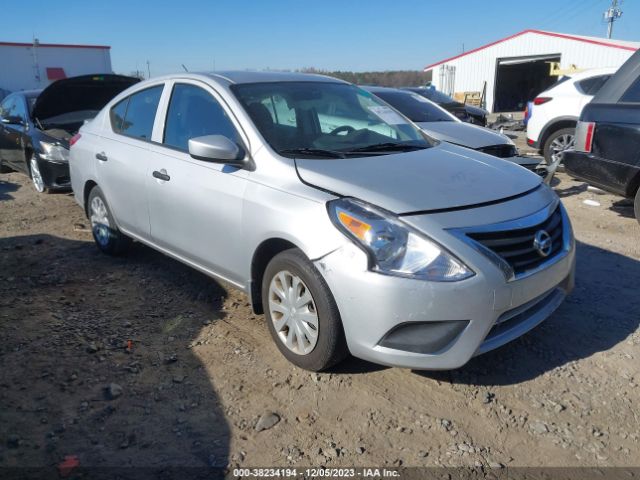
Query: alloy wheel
[[561, 144], [99, 220], [293, 312], [36, 176]]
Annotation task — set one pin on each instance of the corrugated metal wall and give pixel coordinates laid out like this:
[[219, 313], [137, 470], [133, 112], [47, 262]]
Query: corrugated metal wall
[[475, 68], [17, 64]]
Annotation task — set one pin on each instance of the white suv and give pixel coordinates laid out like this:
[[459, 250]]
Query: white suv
[[554, 113]]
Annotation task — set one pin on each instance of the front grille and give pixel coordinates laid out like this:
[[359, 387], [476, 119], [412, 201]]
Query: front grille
[[500, 151], [517, 248]]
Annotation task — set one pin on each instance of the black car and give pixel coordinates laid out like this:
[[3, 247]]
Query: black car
[[607, 142], [37, 125], [466, 113]]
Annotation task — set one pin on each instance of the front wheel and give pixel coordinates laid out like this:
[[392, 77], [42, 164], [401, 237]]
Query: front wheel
[[36, 176], [108, 238], [301, 313]]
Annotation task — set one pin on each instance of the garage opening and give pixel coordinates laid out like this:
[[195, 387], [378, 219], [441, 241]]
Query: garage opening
[[520, 79]]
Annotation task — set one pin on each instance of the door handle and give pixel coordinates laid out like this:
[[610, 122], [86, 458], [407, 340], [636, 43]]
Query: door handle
[[161, 175], [102, 156]]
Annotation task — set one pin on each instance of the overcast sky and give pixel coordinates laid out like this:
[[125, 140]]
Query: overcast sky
[[288, 34]]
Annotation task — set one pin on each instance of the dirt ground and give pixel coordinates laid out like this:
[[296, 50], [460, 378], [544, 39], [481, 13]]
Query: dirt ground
[[141, 361]]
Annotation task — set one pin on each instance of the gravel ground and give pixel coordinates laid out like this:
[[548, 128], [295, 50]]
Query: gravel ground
[[142, 361]]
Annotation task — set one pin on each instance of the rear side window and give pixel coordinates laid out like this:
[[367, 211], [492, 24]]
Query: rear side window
[[134, 116], [632, 95], [591, 86], [193, 112]]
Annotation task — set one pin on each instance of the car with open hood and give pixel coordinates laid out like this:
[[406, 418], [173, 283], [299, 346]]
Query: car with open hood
[[37, 125], [351, 230], [441, 125]]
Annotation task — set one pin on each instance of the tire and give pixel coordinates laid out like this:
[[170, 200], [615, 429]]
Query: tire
[[636, 205], [108, 238], [36, 176], [330, 346], [555, 142], [4, 168]]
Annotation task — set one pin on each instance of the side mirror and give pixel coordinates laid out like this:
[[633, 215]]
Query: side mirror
[[12, 120], [217, 149]]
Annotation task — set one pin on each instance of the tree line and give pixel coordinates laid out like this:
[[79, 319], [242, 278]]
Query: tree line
[[397, 78]]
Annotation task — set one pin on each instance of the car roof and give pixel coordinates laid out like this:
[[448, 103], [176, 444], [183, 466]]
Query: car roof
[[27, 93], [592, 72], [239, 77], [375, 89]]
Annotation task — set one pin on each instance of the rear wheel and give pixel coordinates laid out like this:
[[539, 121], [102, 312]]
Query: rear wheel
[[557, 143], [108, 238], [301, 313], [636, 205]]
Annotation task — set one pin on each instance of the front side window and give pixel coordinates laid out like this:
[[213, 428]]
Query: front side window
[[193, 112], [325, 119], [13, 107], [134, 116], [6, 107]]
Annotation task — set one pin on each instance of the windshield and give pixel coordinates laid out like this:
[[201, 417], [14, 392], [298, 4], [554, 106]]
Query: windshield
[[415, 107], [326, 120], [434, 95]]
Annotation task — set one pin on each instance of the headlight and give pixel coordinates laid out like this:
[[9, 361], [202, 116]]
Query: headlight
[[53, 152], [394, 248]]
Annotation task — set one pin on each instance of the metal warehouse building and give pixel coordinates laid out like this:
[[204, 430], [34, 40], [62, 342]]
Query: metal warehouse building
[[507, 73], [24, 66]]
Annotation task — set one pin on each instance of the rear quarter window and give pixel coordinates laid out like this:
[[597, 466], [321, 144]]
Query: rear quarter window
[[632, 95], [134, 116], [591, 86]]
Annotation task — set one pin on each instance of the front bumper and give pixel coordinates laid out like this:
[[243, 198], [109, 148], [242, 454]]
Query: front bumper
[[495, 310], [55, 174]]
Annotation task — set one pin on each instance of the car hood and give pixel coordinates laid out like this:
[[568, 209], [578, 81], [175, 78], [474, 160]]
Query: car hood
[[442, 177], [465, 134], [88, 92]]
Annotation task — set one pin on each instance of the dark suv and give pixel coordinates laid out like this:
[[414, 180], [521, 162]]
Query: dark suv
[[607, 145]]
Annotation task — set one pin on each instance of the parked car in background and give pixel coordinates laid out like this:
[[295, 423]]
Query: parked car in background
[[553, 114], [362, 236], [466, 113], [607, 146], [36, 125], [441, 125]]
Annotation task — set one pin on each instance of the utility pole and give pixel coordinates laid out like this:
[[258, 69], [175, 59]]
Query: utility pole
[[611, 15], [148, 69]]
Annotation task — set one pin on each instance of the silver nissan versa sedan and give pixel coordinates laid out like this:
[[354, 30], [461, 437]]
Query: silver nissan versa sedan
[[350, 229]]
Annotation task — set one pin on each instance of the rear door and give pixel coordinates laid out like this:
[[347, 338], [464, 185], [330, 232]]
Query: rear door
[[123, 155], [195, 207]]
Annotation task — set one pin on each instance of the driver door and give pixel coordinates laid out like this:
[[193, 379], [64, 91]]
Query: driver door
[[195, 206]]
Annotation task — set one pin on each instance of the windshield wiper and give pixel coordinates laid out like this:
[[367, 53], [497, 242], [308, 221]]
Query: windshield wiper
[[313, 152], [387, 147]]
